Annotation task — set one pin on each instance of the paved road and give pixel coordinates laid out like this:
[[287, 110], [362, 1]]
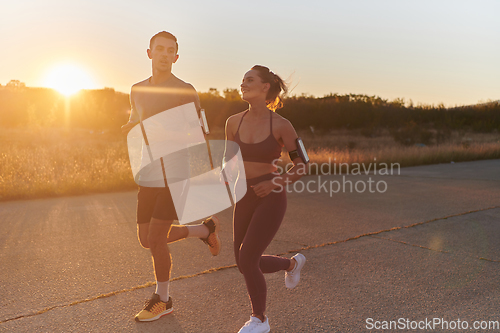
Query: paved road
[[427, 247]]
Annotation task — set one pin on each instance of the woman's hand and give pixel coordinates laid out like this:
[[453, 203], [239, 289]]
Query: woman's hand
[[264, 188]]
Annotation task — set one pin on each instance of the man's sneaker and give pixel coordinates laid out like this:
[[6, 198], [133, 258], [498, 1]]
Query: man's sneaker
[[254, 325], [212, 240], [292, 278], [155, 308]]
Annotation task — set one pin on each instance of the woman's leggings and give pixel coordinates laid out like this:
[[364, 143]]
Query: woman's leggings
[[255, 222]]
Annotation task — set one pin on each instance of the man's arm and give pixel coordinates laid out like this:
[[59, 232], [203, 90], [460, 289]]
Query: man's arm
[[195, 98], [134, 116]]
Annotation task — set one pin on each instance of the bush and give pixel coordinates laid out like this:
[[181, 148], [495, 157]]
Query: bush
[[412, 134]]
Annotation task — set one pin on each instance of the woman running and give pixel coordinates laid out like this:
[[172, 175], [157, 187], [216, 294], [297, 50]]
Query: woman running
[[261, 133]]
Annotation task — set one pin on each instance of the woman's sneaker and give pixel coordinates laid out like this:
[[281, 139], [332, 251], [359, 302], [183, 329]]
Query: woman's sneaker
[[292, 278], [213, 241], [154, 309], [254, 325]]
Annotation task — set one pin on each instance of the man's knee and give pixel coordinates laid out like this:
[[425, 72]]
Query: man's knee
[[143, 240], [158, 233], [142, 234], [156, 240]]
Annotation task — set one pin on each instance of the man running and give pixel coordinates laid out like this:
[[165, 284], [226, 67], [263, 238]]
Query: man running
[[155, 207]]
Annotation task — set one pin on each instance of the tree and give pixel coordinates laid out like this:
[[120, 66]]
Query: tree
[[16, 84], [231, 94], [214, 92]]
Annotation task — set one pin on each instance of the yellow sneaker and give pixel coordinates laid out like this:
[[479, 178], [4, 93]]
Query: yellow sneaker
[[212, 240], [155, 308]]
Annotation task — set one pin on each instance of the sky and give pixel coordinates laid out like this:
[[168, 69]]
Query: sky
[[430, 52]]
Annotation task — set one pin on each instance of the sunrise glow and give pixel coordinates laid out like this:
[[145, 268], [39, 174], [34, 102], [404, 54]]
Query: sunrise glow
[[68, 79]]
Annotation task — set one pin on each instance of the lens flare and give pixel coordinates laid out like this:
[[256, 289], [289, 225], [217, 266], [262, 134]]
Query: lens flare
[[68, 79]]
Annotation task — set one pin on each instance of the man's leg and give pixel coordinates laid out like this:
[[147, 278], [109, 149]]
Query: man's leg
[[159, 234], [207, 231], [177, 232], [157, 241], [155, 235]]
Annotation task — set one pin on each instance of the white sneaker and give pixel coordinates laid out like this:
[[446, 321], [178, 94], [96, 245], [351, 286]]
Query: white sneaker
[[254, 325], [292, 278]]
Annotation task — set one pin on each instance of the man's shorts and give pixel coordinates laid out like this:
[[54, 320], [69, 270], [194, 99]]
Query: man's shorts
[[155, 202]]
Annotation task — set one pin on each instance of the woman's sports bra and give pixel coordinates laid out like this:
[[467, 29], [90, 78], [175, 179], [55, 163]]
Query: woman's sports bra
[[264, 152]]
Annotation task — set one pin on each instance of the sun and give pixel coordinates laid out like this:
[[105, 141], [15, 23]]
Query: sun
[[68, 79]]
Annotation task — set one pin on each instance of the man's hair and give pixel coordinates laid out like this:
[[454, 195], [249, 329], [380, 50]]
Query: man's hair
[[164, 34]]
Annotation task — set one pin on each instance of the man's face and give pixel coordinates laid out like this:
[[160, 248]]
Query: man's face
[[163, 54]]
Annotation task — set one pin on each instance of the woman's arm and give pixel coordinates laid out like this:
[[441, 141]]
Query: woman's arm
[[289, 137], [228, 151], [229, 128]]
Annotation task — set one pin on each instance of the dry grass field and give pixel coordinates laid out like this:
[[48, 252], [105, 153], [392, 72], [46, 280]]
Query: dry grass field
[[40, 162], [344, 147]]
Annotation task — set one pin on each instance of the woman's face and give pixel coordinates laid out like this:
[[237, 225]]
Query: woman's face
[[252, 88]]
